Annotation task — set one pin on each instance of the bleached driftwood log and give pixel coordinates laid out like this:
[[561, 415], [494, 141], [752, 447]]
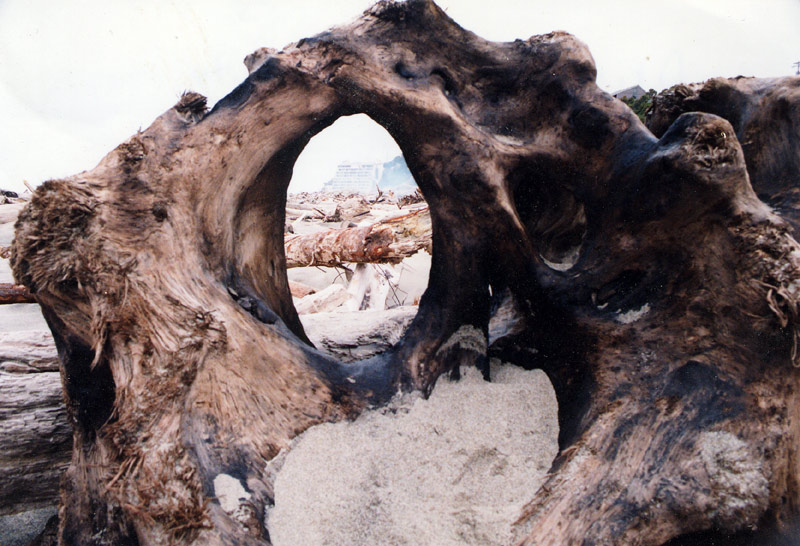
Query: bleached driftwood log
[[666, 320], [325, 300], [358, 335], [300, 290], [35, 437]]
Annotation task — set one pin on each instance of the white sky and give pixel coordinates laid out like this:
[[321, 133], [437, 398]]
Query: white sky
[[79, 77]]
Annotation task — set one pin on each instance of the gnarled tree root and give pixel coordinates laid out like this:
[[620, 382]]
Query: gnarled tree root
[[657, 291]]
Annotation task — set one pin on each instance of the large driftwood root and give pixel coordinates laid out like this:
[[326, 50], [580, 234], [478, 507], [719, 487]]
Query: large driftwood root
[[765, 113], [655, 289], [35, 437]]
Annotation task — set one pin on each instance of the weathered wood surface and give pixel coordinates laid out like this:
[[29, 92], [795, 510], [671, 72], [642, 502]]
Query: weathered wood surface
[[35, 440], [327, 299], [28, 352], [358, 335], [35, 437], [387, 241], [300, 290], [765, 114], [15, 293], [655, 289]]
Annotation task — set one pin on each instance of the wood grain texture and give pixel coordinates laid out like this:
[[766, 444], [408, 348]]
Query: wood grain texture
[[35, 436], [36, 439], [15, 293], [386, 241]]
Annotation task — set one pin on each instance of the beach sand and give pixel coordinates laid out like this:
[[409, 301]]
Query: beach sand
[[452, 470]]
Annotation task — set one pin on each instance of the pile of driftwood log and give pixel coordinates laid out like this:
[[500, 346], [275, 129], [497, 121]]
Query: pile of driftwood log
[[652, 283], [348, 233]]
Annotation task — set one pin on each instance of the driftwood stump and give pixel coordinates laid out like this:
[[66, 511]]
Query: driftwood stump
[[657, 291], [765, 114]]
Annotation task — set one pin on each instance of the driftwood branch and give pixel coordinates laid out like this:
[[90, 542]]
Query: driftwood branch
[[15, 293], [387, 241]]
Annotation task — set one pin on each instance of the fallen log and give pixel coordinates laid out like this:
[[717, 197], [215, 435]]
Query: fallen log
[[387, 241], [358, 335], [300, 290], [35, 440], [35, 436], [28, 351], [667, 322], [325, 300], [15, 293], [293, 213]]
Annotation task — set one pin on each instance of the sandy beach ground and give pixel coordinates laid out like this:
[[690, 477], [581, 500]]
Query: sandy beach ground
[[451, 470]]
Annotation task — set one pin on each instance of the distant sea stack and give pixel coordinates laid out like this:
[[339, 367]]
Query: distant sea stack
[[397, 177], [365, 178]]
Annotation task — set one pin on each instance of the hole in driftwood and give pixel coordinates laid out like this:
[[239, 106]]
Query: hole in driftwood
[[554, 215], [357, 240], [89, 385], [517, 406]]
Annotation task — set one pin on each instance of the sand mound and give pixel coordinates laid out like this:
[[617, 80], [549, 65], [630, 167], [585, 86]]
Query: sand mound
[[454, 469]]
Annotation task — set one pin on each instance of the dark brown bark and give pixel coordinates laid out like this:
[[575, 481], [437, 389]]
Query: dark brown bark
[[387, 241], [656, 290], [765, 114]]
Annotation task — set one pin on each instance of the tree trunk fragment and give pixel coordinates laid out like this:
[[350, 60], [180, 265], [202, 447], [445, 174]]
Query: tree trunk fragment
[[36, 439]]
